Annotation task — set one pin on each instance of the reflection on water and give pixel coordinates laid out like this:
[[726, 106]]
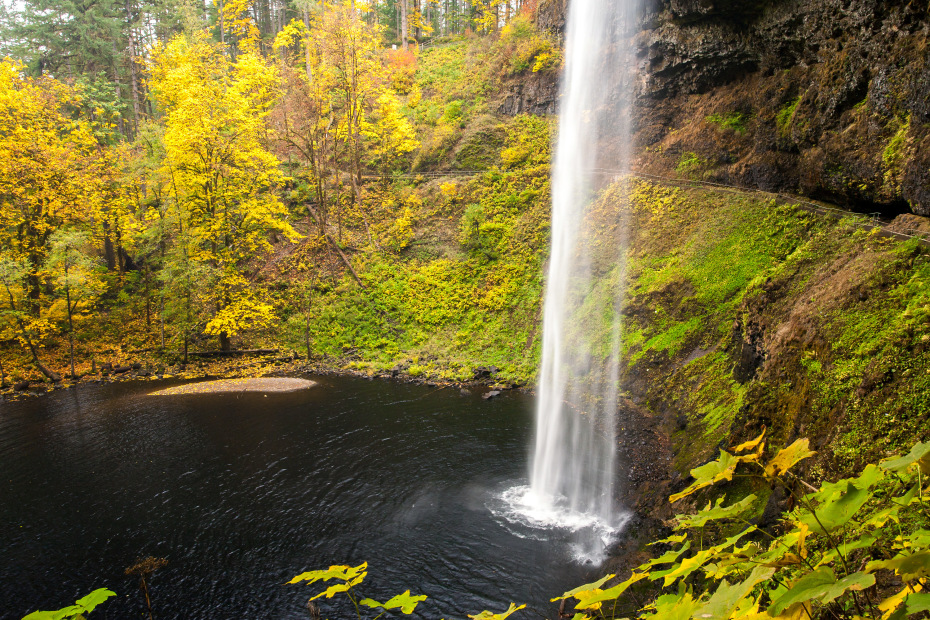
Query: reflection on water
[[240, 493]]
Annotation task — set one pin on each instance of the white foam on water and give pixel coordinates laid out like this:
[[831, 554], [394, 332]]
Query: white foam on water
[[527, 515]]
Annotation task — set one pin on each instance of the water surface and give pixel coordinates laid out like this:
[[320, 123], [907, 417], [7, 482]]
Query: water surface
[[242, 492]]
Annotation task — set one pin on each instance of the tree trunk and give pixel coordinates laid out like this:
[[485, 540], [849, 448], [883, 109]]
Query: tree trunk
[[403, 23], [29, 344], [133, 74], [70, 325], [52, 375], [224, 341], [109, 254], [148, 299]]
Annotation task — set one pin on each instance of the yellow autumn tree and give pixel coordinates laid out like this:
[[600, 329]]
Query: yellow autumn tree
[[304, 119], [350, 54], [238, 26], [222, 177], [49, 164], [389, 134], [339, 114]]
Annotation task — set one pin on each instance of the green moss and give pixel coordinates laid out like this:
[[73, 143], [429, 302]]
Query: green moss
[[689, 162], [785, 116], [733, 121], [893, 155]]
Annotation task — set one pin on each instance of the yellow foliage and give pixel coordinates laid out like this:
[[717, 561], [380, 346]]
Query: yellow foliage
[[50, 165], [221, 175]]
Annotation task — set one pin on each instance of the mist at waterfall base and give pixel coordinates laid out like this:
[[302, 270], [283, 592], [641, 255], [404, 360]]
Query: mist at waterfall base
[[573, 461], [242, 492]]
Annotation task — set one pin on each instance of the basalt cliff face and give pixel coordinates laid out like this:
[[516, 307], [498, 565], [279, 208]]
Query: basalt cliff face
[[741, 315], [828, 98]]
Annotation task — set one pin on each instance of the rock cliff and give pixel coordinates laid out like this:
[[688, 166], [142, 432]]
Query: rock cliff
[[829, 98]]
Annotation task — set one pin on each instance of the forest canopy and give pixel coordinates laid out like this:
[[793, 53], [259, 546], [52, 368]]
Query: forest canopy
[[165, 153]]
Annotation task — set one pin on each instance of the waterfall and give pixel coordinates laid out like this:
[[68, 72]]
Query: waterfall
[[572, 467]]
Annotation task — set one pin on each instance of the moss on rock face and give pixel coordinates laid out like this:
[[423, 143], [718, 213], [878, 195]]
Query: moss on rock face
[[743, 313], [827, 89]]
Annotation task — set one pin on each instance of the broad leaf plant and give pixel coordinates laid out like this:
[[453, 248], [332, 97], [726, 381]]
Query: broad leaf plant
[[857, 548]]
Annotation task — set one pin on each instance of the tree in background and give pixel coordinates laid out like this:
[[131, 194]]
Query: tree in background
[[222, 176], [389, 135], [75, 275], [16, 321], [49, 167]]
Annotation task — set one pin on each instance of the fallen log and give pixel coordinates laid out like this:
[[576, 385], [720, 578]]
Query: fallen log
[[233, 353]]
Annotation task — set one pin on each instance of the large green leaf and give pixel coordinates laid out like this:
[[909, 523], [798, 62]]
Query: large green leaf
[[716, 513], [919, 454], [845, 549], [837, 511], [726, 597], [804, 589], [675, 607], [869, 477], [405, 602], [820, 585], [788, 458], [710, 473], [908, 567], [917, 603], [851, 583]]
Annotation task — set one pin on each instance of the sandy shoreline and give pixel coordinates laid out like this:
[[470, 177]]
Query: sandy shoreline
[[229, 386]]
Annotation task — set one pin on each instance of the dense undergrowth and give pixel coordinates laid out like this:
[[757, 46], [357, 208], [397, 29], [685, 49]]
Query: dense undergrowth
[[855, 548]]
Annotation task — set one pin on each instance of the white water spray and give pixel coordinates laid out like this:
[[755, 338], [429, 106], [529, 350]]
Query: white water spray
[[573, 462]]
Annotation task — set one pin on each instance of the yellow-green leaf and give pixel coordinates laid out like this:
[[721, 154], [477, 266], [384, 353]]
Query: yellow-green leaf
[[343, 573], [919, 454], [593, 598], [332, 591], [588, 586], [487, 615], [675, 607], [710, 473], [749, 445], [405, 602], [788, 458], [908, 567], [726, 598], [716, 513]]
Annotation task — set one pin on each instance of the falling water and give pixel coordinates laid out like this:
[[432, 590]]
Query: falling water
[[572, 465]]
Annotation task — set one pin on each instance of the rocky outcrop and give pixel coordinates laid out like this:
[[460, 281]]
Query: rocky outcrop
[[535, 93], [823, 97], [830, 98]]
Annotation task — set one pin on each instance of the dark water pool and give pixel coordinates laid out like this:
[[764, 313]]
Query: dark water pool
[[241, 493]]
